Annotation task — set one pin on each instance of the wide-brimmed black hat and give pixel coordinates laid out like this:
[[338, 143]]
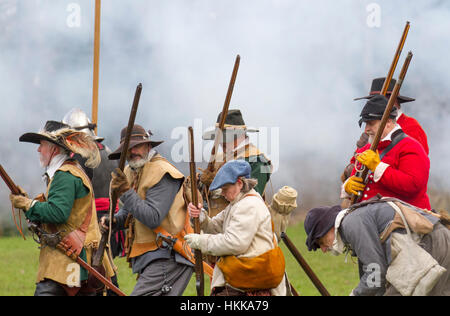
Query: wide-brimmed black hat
[[50, 133], [375, 89], [374, 109], [68, 138], [138, 136], [233, 121]]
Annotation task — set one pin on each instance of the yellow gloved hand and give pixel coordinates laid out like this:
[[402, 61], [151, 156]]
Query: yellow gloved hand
[[20, 201], [370, 159], [354, 184], [119, 182]]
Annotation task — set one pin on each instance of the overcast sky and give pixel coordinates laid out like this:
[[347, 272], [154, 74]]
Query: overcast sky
[[302, 63]]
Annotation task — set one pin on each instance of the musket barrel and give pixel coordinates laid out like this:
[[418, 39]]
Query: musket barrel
[[364, 172], [398, 52], [97, 259], [200, 287], [224, 113]]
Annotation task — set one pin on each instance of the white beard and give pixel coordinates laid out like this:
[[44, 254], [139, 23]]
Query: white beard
[[371, 138], [136, 164]]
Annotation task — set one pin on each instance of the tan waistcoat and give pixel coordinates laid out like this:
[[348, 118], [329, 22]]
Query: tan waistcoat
[[53, 263], [150, 174]]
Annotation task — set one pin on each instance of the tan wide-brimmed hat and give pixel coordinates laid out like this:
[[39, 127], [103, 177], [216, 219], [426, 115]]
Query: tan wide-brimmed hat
[[138, 136], [285, 200]]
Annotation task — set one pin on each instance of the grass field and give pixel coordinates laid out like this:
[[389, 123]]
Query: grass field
[[19, 262]]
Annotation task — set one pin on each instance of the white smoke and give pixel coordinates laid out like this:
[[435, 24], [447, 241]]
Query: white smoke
[[302, 63]]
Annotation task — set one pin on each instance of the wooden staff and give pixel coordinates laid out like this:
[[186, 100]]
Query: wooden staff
[[199, 277], [309, 272], [363, 173], [96, 65]]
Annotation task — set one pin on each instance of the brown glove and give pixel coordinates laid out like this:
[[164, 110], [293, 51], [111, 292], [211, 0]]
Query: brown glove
[[20, 201], [119, 182]]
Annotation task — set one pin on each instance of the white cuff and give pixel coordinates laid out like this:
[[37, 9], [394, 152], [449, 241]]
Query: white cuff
[[379, 171]]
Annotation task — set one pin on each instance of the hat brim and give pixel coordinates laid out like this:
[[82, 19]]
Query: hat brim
[[116, 154], [36, 138], [400, 98], [211, 134]]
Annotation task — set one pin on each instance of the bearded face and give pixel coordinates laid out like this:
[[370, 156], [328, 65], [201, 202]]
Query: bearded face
[[46, 151], [138, 155]]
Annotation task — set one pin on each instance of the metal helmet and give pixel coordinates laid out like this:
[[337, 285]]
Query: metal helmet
[[78, 120]]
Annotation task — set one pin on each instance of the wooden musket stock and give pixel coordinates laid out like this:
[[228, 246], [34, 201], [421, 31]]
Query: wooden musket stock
[[226, 105], [199, 276], [106, 236]]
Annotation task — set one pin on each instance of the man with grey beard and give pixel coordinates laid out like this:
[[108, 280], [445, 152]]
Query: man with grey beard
[[154, 211]]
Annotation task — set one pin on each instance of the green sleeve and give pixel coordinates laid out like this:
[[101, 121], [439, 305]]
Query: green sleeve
[[260, 171], [64, 190]]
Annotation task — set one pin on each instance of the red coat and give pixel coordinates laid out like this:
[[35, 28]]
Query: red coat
[[405, 178], [412, 128]]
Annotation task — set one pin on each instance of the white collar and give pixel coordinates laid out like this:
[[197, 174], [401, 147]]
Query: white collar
[[388, 136], [55, 164]]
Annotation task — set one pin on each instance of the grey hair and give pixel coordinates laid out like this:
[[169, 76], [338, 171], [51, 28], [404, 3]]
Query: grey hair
[[248, 184]]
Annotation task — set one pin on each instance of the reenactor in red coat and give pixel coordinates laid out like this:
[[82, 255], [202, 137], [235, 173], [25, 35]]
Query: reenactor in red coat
[[400, 166], [408, 124]]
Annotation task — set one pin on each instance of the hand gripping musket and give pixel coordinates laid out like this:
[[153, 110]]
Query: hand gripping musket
[[199, 277], [364, 171], [309, 272], [54, 240], [106, 236], [14, 190], [226, 105]]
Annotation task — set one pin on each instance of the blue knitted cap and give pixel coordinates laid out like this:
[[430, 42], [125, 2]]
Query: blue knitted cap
[[230, 172]]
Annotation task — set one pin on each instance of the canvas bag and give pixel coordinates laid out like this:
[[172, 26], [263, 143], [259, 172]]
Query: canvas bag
[[413, 271]]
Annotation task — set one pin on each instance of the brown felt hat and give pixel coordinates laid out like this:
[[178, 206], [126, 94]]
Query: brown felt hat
[[138, 136]]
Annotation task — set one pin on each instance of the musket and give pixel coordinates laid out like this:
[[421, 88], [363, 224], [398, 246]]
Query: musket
[[97, 260], [364, 170], [35, 228], [14, 190], [223, 115], [398, 52], [199, 277], [309, 272]]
